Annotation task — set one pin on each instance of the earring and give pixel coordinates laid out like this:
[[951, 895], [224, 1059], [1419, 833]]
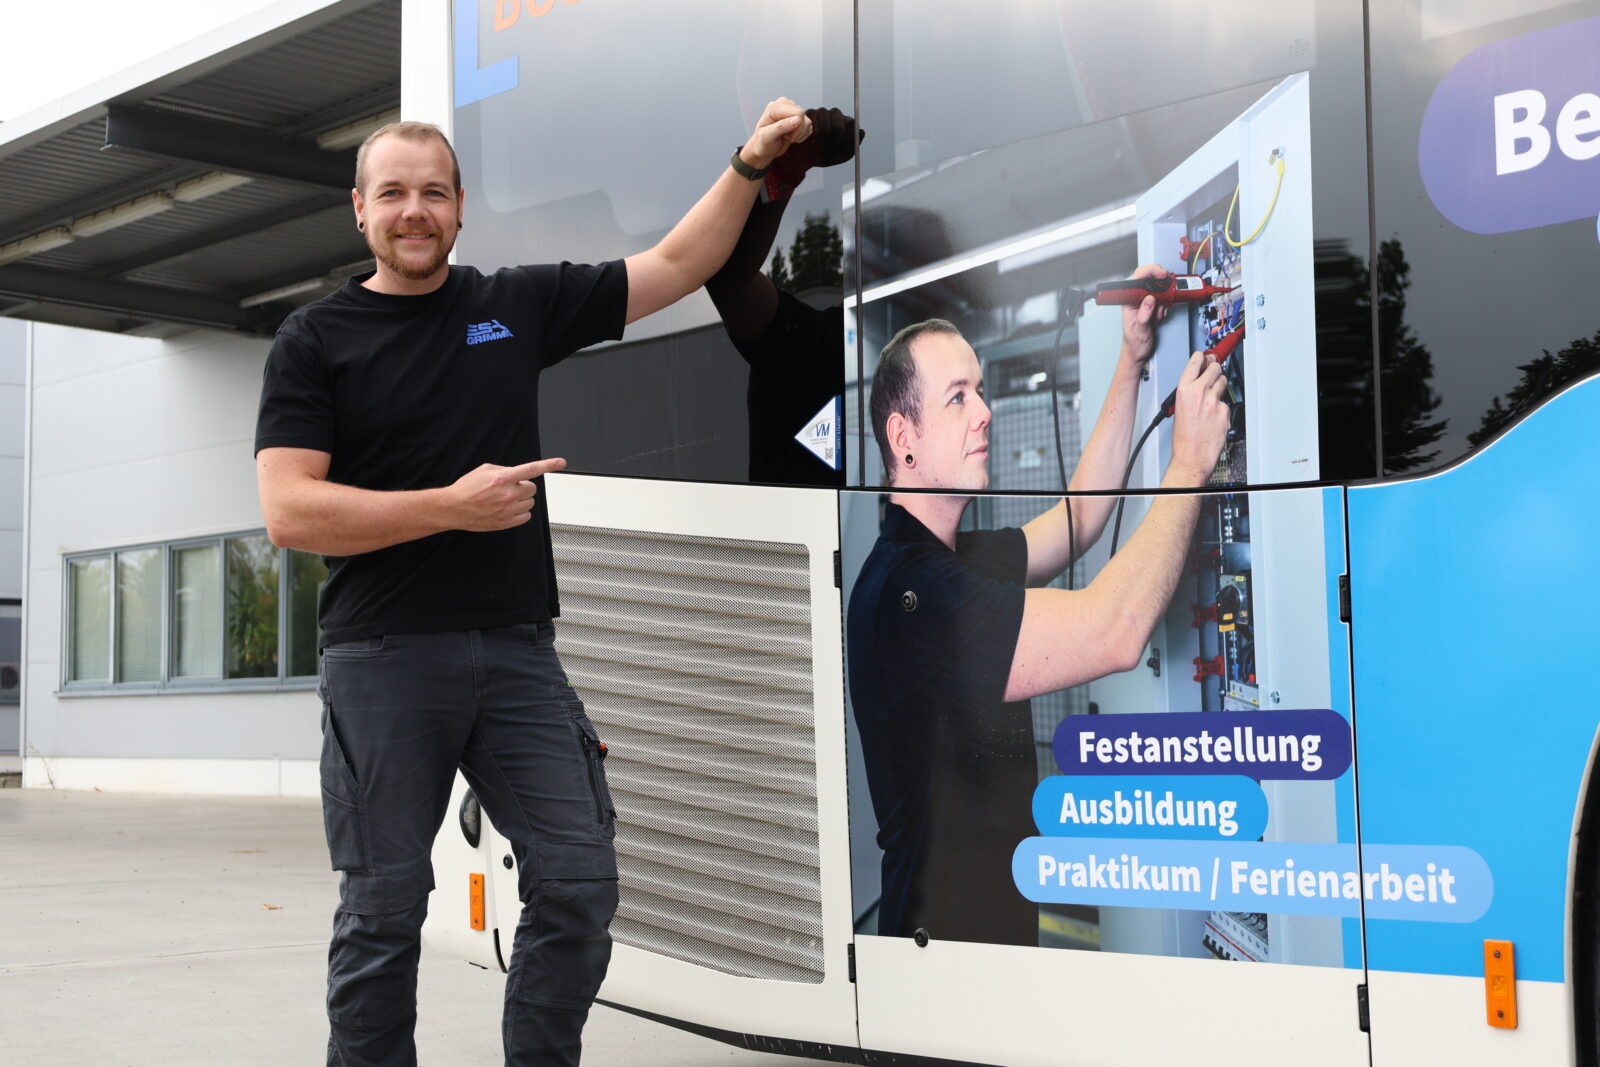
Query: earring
[[460, 225], [909, 461], [361, 225]]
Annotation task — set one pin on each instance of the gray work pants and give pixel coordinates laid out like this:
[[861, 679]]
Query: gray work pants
[[400, 713]]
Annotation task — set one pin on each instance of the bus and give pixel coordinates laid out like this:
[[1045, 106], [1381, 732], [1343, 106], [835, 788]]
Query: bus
[[1338, 807]]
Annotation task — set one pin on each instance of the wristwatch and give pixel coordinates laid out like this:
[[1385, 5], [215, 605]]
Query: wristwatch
[[743, 169]]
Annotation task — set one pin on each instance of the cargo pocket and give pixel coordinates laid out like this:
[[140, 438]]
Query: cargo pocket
[[343, 819], [594, 757]]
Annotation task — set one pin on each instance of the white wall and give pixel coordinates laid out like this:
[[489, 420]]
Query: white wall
[[136, 440], [13, 404], [13, 363]]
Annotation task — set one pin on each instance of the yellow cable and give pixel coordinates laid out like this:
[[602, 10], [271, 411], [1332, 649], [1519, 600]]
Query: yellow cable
[[1195, 262], [1226, 226]]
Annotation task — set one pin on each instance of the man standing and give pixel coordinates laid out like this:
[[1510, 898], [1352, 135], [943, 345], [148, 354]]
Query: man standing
[[398, 436], [948, 636]]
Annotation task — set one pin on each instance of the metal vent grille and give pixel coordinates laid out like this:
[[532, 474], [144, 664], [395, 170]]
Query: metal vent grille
[[693, 657]]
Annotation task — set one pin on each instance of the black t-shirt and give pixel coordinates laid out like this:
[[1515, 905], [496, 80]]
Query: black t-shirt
[[796, 366], [411, 392], [950, 764]]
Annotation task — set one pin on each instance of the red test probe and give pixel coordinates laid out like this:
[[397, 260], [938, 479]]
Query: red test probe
[[1168, 289], [1219, 352]]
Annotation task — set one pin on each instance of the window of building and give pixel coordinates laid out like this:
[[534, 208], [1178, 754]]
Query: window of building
[[223, 611], [251, 634], [10, 651], [89, 619], [138, 615]]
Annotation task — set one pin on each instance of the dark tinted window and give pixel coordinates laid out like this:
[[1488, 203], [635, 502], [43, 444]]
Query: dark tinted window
[[1482, 256], [585, 131], [1020, 155]]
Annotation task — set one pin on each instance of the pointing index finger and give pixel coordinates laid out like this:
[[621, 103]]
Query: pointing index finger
[[536, 469]]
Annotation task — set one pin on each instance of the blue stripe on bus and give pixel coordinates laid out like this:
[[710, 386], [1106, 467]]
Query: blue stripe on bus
[[1474, 600]]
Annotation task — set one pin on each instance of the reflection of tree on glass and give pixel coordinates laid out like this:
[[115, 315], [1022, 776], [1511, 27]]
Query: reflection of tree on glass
[[950, 635], [1345, 413], [815, 259], [1344, 324], [793, 349], [252, 623], [1406, 395], [307, 575], [1541, 378]]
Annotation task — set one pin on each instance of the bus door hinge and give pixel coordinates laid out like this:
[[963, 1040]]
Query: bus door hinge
[[850, 955], [1344, 598], [838, 570], [1363, 1016]]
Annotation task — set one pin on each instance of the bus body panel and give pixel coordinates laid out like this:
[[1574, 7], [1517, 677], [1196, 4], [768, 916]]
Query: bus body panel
[[1047, 1007], [1473, 594], [448, 925], [1472, 598], [1465, 671], [1430, 1018], [823, 1011]]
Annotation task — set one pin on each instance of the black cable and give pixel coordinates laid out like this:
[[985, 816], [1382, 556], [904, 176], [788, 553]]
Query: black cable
[[1116, 530], [1055, 419]]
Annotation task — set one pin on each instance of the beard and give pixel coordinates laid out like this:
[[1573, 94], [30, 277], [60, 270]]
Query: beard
[[388, 253]]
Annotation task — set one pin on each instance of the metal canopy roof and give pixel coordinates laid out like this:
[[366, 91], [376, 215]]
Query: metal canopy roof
[[210, 186]]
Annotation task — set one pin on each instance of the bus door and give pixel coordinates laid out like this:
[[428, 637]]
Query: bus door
[[1198, 872]]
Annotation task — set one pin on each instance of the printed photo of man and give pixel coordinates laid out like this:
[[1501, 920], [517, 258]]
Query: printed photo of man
[[949, 634]]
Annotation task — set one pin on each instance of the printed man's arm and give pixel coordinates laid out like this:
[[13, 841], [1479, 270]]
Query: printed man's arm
[[1072, 637], [699, 244], [1105, 454], [305, 511]]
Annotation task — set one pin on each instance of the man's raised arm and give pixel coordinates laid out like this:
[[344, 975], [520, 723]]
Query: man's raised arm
[[305, 511], [701, 241], [745, 297]]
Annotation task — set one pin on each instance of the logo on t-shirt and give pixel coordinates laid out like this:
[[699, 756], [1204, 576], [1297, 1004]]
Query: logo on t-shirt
[[479, 332]]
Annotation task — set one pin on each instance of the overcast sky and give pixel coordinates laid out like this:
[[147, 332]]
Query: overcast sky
[[54, 48]]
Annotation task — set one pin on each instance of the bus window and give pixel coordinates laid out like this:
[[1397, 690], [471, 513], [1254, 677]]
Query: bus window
[[1485, 217], [1004, 198], [674, 398]]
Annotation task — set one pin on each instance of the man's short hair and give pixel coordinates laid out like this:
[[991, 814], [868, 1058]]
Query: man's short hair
[[408, 131], [896, 387]]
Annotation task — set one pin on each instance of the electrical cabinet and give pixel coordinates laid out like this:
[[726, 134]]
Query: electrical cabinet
[[1246, 629]]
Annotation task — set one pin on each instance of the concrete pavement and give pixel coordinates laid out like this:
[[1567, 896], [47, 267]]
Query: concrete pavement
[[192, 930]]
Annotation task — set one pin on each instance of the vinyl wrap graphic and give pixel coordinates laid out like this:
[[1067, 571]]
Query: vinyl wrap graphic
[[1219, 808], [1308, 745], [1484, 751], [1124, 840], [1511, 137], [1439, 883]]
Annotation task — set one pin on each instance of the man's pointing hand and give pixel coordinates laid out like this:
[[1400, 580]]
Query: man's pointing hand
[[491, 497]]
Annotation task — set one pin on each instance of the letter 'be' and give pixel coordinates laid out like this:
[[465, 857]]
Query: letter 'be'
[[1510, 129]]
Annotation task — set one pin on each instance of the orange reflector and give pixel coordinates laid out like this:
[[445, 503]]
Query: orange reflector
[[1500, 983], [475, 900]]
